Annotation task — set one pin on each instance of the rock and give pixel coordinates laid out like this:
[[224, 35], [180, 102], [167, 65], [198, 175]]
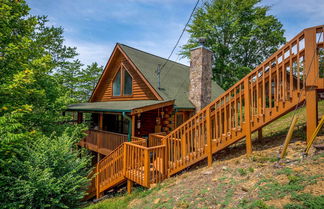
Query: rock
[[244, 188], [298, 169], [207, 172], [156, 201], [224, 168]]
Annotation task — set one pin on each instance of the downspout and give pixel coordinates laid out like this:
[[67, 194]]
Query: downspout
[[129, 125]]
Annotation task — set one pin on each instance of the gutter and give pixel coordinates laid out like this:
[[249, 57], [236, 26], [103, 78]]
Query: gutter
[[129, 125]]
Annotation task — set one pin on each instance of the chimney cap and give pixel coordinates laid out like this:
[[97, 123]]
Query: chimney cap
[[202, 41]]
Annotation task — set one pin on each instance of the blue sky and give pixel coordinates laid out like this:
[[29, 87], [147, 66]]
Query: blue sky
[[94, 26]]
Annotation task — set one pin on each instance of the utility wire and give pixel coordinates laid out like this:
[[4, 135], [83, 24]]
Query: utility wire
[[184, 29]]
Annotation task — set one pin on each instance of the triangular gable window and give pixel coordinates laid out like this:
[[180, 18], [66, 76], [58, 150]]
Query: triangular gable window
[[123, 83]]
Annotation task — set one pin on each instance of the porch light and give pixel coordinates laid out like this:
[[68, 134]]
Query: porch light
[[138, 124]]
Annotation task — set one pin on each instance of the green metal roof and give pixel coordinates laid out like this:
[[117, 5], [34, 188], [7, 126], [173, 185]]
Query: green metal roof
[[113, 106], [174, 76]]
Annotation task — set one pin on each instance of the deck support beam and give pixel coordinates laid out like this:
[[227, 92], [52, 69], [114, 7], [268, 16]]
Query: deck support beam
[[311, 112], [260, 134], [129, 186], [311, 72], [247, 113]]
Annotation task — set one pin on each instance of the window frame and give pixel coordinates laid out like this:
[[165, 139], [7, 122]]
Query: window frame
[[122, 70]]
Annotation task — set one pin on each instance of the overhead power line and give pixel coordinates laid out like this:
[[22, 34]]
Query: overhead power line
[[184, 29]]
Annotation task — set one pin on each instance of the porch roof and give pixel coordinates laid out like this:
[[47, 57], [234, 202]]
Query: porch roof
[[134, 106]]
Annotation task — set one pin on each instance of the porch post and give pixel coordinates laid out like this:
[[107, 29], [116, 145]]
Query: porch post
[[80, 117], [133, 125], [99, 142]]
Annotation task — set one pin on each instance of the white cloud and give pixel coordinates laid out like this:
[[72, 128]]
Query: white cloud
[[90, 52]]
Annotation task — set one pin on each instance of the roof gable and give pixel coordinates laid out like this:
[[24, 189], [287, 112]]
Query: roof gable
[[142, 90]]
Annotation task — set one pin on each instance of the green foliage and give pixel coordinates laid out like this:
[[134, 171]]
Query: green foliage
[[40, 165], [242, 171], [50, 174], [256, 204], [306, 201], [272, 189], [240, 33]]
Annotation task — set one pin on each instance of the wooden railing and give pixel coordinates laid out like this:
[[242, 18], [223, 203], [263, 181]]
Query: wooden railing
[[103, 141], [144, 165], [269, 91], [155, 139], [110, 170]]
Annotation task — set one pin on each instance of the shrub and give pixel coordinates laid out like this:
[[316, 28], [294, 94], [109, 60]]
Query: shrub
[[51, 174]]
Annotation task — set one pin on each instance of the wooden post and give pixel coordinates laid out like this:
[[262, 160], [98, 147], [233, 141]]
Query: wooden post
[[311, 112], [311, 71], [166, 157], [129, 186], [99, 142], [260, 134], [310, 142], [146, 168], [124, 159], [183, 146], [288, 137], [209, 138], [97, 182], [80, 117], [247, 117], [133, 124]]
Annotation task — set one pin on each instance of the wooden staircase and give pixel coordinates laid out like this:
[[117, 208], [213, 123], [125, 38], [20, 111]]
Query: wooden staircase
[[289, 78]]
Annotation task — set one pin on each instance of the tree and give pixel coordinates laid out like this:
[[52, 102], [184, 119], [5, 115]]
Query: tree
[[39, 163], [89, 79], [239, 32]]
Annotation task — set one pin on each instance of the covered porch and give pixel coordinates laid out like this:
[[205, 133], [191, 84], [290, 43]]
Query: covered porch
[[112, 123]]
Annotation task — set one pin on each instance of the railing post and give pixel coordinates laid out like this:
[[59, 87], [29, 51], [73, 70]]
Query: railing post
[[97, 181], [209, 137], [124, 159], [146, 167], [247, 113], [165, 157], [311, 70]]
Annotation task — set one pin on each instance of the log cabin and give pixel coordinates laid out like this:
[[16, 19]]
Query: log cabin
[[131, 101], [139, 94]]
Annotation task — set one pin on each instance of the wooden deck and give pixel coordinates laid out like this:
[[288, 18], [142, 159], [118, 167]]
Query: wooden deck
[[285, 81]]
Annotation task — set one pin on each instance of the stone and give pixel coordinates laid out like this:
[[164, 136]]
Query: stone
[[207, 172], [200, 77], [156, 201]]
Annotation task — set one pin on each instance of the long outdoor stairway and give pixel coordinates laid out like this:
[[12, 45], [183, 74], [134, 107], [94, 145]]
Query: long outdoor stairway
[[288, 79]]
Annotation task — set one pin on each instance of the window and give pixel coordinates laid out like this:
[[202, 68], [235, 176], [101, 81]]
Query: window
[[116, 85], [123, 83], [128, 84]]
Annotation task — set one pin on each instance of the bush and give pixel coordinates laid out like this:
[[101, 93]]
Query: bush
[[51, 174]]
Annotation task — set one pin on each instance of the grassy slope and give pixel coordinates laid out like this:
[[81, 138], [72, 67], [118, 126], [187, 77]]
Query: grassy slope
[[237, 182]]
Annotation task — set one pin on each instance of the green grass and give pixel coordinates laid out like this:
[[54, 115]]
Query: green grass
[[272, 189], [121, 201], [306, 201]]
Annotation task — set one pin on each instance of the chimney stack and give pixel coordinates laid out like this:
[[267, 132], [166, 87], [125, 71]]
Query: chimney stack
[[200, 76]]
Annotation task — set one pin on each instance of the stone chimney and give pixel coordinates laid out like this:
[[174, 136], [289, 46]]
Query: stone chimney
[[200, 76]]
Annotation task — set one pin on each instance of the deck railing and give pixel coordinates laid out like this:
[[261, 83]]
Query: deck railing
[[103, 141], [155, 139]]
